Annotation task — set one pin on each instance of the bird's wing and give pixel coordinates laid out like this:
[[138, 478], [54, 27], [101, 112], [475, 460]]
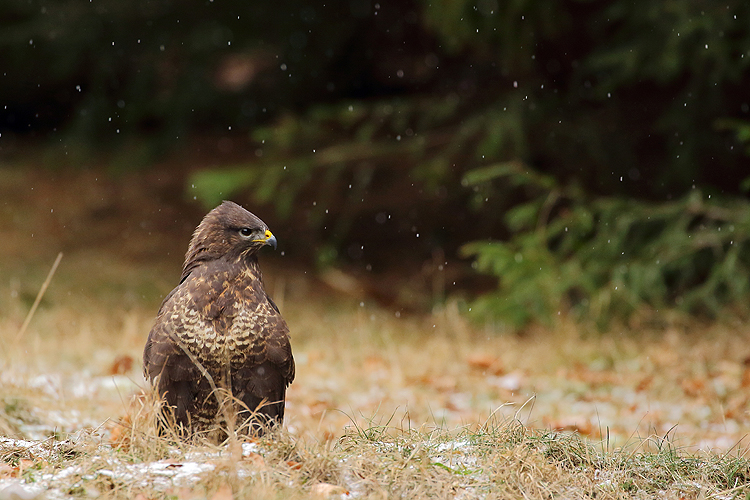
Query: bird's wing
[[182, 316], [262, 380], [279, 348], [177, 376]]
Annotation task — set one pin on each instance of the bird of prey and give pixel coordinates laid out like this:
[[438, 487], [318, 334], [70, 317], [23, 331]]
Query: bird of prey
[[219, 334]]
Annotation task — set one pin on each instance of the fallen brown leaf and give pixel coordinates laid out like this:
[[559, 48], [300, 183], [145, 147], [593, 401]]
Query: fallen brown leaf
[[578, 424], [443, 383], [25, 463], [693, 386], [645, 383], [121, 365], [486, 363], [119, 436]]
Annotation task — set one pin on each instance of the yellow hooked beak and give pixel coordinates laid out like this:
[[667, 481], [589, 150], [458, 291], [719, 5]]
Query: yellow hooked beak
[[268, 239]]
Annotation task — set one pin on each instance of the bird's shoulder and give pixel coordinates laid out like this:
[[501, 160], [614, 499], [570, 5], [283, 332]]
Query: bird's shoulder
[[212, 287]]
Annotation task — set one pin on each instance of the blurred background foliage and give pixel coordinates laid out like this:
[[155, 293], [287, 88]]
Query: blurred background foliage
[[589, 157]]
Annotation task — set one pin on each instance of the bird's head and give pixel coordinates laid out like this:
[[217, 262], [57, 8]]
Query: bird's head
[[227, 231]]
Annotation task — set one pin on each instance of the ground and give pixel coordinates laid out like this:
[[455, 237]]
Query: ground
[[374, 387]]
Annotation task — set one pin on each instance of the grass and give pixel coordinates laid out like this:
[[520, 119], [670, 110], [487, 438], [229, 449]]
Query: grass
[[420, 407], [502, 459], [384, 405]]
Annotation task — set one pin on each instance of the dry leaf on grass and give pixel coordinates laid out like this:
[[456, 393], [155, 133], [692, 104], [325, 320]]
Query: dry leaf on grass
[[25, 463], [486, 363], [445, 383], [645, 383], [693, 387], [577, 424], [594, 378], [119, 436], [294, 465], [121, 365]]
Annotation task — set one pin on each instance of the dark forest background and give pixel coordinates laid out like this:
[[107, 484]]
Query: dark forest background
[[585, 157]]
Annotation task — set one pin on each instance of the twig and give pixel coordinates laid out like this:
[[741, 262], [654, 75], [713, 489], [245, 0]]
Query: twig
[[39, 297]]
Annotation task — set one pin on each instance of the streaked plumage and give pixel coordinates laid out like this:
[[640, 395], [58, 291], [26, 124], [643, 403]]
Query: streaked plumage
[[220, 322]]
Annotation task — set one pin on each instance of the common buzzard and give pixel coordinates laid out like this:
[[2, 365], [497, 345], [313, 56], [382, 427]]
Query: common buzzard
[[219, 334]]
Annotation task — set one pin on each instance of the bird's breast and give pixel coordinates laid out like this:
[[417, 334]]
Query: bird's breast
[[233, 335]]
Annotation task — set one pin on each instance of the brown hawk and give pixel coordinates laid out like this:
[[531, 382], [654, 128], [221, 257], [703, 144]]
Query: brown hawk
[[218, 332]]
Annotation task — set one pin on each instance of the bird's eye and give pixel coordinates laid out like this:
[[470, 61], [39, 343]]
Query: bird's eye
[[246, 231]]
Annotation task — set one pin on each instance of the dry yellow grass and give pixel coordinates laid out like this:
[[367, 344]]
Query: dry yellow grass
[[383, 406], [415, 407]]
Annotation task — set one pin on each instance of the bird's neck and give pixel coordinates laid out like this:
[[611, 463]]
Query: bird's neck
[[250, 268]]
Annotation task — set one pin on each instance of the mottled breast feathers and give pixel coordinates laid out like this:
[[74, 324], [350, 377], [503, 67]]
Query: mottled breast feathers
[[218, 336]]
